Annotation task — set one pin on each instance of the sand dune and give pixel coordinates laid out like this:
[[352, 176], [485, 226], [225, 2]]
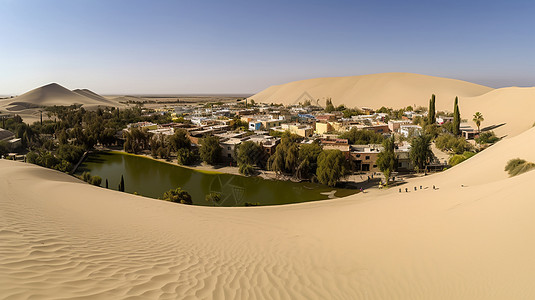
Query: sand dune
[[375, 90], [61, 238], [92, 95], [54, 94]]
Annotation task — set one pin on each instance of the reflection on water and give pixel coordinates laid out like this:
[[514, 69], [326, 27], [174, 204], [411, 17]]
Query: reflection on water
[[152, 178]]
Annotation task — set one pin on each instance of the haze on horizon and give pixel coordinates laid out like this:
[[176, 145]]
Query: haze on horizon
[[209, 47]]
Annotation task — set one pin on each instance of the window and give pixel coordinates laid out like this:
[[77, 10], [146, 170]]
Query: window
[[358, 155], [367, 157], [229, 156], [228, 148]]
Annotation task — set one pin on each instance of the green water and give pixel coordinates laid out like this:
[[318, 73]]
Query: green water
[[152, 178]]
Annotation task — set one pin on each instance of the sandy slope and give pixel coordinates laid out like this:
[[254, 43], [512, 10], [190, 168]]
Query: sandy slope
[[61, 238], [511, 106], [375, 90], [53, 94]]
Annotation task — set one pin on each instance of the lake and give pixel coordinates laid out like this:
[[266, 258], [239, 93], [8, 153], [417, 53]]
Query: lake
[[152, 178]]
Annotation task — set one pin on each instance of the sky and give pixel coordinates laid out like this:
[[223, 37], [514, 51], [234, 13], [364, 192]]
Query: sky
[[161, 47]]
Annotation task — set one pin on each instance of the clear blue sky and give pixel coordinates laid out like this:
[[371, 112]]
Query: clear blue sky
[[124, 46]]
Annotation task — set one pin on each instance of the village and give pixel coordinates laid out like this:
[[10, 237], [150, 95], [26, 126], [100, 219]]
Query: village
[[331, 127]]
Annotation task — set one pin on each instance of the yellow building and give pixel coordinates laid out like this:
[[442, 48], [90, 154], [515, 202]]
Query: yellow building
[[323, 128]]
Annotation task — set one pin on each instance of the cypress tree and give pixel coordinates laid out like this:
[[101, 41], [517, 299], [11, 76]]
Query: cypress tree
[[456, 118], [431, 118], [121, 184]]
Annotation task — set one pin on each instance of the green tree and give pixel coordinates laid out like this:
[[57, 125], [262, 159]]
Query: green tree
[[121, 184], [178, 195], [210, 150], [357, 136], [478, 118], [431, 117], [386, 160], [420, 153], [246, 169], [185, 156], [329, 107], [456, 118], [286, 156], [308, 160], [179, 140], [331, 167], [249, 153]]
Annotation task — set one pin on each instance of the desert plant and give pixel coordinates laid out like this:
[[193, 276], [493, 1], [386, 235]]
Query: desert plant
[[518, 166]]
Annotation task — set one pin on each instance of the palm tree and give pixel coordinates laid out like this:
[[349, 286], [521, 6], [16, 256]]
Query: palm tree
[[478, 118]]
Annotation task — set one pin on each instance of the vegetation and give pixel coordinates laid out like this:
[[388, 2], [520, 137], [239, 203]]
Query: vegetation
[[250, 153], [362, 137], [487, 137], [459, 158], [331, 167], [246, 169], [210, 150], [456, 118], [121, 185], [450, 143], [386, 160], [94, 180], [431, 115], [177, 195], [329, 107], [186, 156], [478, 118], [518, 166], [308, 160], [420, 153], [213, 198], [286, 158]]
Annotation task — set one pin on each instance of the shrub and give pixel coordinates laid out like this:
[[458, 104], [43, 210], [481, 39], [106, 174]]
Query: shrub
[[213, 198], [86, 176], [459, 158], [451, 143], [487, 137], [518, 166], [96, 180], [177, 195]]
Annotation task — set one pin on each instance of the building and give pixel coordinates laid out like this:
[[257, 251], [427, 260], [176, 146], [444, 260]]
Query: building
[[337, 144], [365, 157], [442, 119], [467, 131], [410, 130], [255, 125], [299, 129], [323, 128], [393, 125]]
